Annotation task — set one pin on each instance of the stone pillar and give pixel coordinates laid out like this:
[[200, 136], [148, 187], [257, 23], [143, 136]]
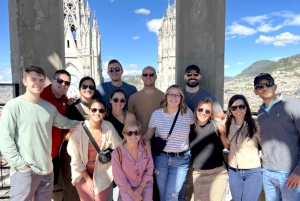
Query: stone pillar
[[200, 39], [36, 37]]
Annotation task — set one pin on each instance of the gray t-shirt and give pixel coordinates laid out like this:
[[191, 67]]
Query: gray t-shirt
[[192, 99]]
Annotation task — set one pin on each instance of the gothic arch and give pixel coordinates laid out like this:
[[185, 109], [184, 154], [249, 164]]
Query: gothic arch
[[75, 78]]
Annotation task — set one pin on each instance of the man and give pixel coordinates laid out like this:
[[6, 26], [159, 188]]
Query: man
[[279, 119], [115, 71], [143, 104], [26, 126], [55, 94], [193, 93]]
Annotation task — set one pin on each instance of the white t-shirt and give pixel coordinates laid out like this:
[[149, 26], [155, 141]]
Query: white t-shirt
[[179, 139]]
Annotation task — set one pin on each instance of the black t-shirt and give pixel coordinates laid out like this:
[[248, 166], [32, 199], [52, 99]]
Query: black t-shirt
[[206, 147], [115, 122], [74, 114]]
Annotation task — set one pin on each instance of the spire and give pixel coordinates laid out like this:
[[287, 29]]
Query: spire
[[168, 4], [94, 20]]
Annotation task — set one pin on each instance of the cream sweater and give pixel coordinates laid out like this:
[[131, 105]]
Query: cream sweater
[[78, 150]]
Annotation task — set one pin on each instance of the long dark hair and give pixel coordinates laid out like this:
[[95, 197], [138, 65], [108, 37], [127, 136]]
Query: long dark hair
[[96, 92], [248, 117]]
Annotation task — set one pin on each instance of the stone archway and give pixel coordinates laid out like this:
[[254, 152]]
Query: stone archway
[[75, 78]]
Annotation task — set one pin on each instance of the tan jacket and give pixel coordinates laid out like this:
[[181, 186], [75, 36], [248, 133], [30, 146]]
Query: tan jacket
[[244, 153], [78, 150]]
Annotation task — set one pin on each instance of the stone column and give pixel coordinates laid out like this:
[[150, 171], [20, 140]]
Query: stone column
[[36, 37], [200, 38]]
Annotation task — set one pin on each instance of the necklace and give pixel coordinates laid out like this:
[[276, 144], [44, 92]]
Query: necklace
[[191, 95]]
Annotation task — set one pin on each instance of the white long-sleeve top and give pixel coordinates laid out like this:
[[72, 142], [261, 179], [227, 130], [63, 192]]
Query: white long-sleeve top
[[78, 150]]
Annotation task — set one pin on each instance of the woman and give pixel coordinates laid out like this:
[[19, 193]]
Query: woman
[[209, 174], [133, 165], [171, 165], [77, 111], [92, 178], [243, 134], [116, 114]]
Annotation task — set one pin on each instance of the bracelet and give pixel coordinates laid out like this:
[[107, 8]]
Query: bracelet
[[141, 187]]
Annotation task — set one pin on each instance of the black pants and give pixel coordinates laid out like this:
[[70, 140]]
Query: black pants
[[56, 169]]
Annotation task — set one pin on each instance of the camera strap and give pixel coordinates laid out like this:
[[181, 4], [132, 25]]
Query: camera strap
[[87, 131], [173, 124]]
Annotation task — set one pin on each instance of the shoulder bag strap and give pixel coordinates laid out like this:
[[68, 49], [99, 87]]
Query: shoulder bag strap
[[173, 123], [120, 154], [91, 137], [236, 133], [216, 128]]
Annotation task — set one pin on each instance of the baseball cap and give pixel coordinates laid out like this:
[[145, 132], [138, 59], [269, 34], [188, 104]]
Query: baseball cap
[[192, 67], [261, 76]]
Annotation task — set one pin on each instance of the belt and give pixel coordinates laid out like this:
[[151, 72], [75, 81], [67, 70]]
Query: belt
[[176, 154]]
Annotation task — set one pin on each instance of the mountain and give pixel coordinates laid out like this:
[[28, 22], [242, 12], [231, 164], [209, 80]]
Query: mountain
[[267, 66]]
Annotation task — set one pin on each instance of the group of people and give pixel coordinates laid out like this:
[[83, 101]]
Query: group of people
[[116, 119]]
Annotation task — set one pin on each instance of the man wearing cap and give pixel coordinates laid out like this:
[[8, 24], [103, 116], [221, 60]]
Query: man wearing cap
[[193, 93], [279, 119]]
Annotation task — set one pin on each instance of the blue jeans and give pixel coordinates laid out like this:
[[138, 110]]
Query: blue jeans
[[245, 184], [170, 173], [274, 186]]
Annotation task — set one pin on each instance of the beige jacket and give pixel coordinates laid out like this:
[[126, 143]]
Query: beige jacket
[[78, 150], [244, 153]]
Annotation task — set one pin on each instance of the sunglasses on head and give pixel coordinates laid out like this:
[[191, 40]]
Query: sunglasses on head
[[85, 86], [200, 109], [267, 84], [117, 69], [130, 133], [190, 74], [60, 81], [122, 100], [148, 74], [241, 107], [94, 110]]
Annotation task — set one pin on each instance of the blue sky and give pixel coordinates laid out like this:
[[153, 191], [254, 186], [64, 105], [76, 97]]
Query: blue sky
[[255, 30]]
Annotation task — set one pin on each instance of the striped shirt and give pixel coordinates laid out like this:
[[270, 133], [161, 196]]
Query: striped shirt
[[179, 139]]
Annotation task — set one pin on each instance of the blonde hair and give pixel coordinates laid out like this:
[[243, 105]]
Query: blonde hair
[[131, 124], [210, 103], [182, 105]]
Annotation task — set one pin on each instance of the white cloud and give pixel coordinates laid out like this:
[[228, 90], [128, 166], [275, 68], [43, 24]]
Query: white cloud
[[143, 11], [154, 25], [237, 29], [293, 21], [277, 58], [132, 65], [255, 19], [112, 1], [239, 63], [279, 40], [226, 66], [285, 14], [266, 28], [132, 72], [135, 37]]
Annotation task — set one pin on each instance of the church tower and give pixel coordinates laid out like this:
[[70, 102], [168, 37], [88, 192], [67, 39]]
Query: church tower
[[166, 49], [82, 44]]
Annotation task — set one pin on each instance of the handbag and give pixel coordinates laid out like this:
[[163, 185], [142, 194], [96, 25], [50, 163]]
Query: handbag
[[159, 143], [103, 156]]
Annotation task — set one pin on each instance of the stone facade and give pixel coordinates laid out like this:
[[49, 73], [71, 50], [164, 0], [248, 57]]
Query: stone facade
[[166, 49], [82, 44]]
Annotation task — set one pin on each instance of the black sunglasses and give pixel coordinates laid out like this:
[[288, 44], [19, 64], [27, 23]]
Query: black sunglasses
[[94, 110], [148, 74], [190, 74], [85, 86], [122, 100], [261, 86], [241, 107], [130, 133], [60, 81], [117, 69], [200, 109]]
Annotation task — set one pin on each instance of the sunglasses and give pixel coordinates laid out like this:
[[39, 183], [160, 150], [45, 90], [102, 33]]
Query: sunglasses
[[60, 81], [261, 86], [130, 133], [85, 86], [190, 74], [94, 110], [122, 100], [117, 69], [174, 95], [241, 107], [200, 109], [148, 74]]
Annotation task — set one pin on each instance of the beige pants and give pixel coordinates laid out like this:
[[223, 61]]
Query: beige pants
[[210, 185]]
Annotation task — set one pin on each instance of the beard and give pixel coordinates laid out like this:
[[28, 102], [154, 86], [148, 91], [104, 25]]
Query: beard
[[192, 84]]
